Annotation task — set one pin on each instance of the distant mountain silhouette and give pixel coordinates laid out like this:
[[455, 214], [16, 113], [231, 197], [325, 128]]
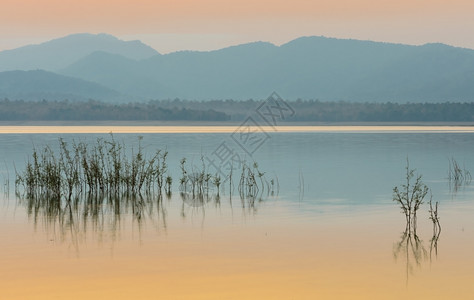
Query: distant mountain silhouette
[[59, 53], [308, 67], [321, 68], [39, 85], [125, 75]]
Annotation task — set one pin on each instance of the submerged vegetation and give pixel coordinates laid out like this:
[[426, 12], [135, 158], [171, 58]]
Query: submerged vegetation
[[410, 196], [198, 181], [101, 168], [458, 176], [92, 185], [107, 167]]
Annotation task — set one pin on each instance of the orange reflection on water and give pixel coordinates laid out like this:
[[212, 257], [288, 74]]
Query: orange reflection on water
[[223, 253]]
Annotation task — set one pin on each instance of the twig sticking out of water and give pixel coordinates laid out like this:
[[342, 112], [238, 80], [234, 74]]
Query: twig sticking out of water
[[410, 197]]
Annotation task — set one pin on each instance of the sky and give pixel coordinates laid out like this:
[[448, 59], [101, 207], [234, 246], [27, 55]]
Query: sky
[[172, 25]]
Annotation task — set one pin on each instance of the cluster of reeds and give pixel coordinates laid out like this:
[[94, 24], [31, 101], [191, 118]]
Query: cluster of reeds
[[82, 184], [198, 181], [253, 183], [103, 167], [106, 167], [458, 176], [410, 196]]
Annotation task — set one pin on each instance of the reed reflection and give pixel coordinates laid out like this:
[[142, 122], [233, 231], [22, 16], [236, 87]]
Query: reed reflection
[[104, 217], [410, 196], [458, 177], [98, 186], [101, 214], [436, 228], [410, 248], [198, 204]]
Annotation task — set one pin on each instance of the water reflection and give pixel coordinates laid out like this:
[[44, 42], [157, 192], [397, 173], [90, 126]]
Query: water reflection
[[434, 245], [102, 214], [96, 187], [411, 249], [436, 228], [458, 176], [104, 217]]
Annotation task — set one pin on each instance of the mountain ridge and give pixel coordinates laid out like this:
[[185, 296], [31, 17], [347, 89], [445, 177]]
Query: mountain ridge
[[310, 67], [38, 85], [58, 53]]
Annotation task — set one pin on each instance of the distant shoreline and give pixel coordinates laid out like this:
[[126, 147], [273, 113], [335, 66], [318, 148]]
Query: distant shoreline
[[230, 129], [221, 123]]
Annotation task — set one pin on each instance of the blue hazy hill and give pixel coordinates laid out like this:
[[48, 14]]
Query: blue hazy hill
[[321, 68], [39, 85], [309, 67], [59, 53]]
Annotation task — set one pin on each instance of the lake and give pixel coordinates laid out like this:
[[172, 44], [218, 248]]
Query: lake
[[330, 230]]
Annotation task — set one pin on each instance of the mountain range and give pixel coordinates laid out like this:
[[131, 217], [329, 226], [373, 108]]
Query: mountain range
[[103, 67], [38, 85]]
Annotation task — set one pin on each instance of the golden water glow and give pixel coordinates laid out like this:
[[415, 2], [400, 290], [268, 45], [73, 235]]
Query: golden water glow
[[283, 249], [221, 255]]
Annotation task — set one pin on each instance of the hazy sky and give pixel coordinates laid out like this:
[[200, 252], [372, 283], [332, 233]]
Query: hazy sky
[[170, 25]]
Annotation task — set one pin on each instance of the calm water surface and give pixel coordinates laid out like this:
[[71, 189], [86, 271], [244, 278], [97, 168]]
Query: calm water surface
[[333, 230]]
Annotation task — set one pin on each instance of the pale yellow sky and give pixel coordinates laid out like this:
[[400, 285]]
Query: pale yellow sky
[[170, 25]]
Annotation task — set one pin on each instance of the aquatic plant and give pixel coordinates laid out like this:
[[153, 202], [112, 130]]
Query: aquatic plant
[[106, 167], [248, 186], [94, 185], [97, 168], [184, 175], [458, 176], [410, 196]]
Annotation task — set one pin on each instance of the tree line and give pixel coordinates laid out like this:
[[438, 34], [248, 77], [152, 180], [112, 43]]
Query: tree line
[[234, 110], [342, 111], [101, 111]]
